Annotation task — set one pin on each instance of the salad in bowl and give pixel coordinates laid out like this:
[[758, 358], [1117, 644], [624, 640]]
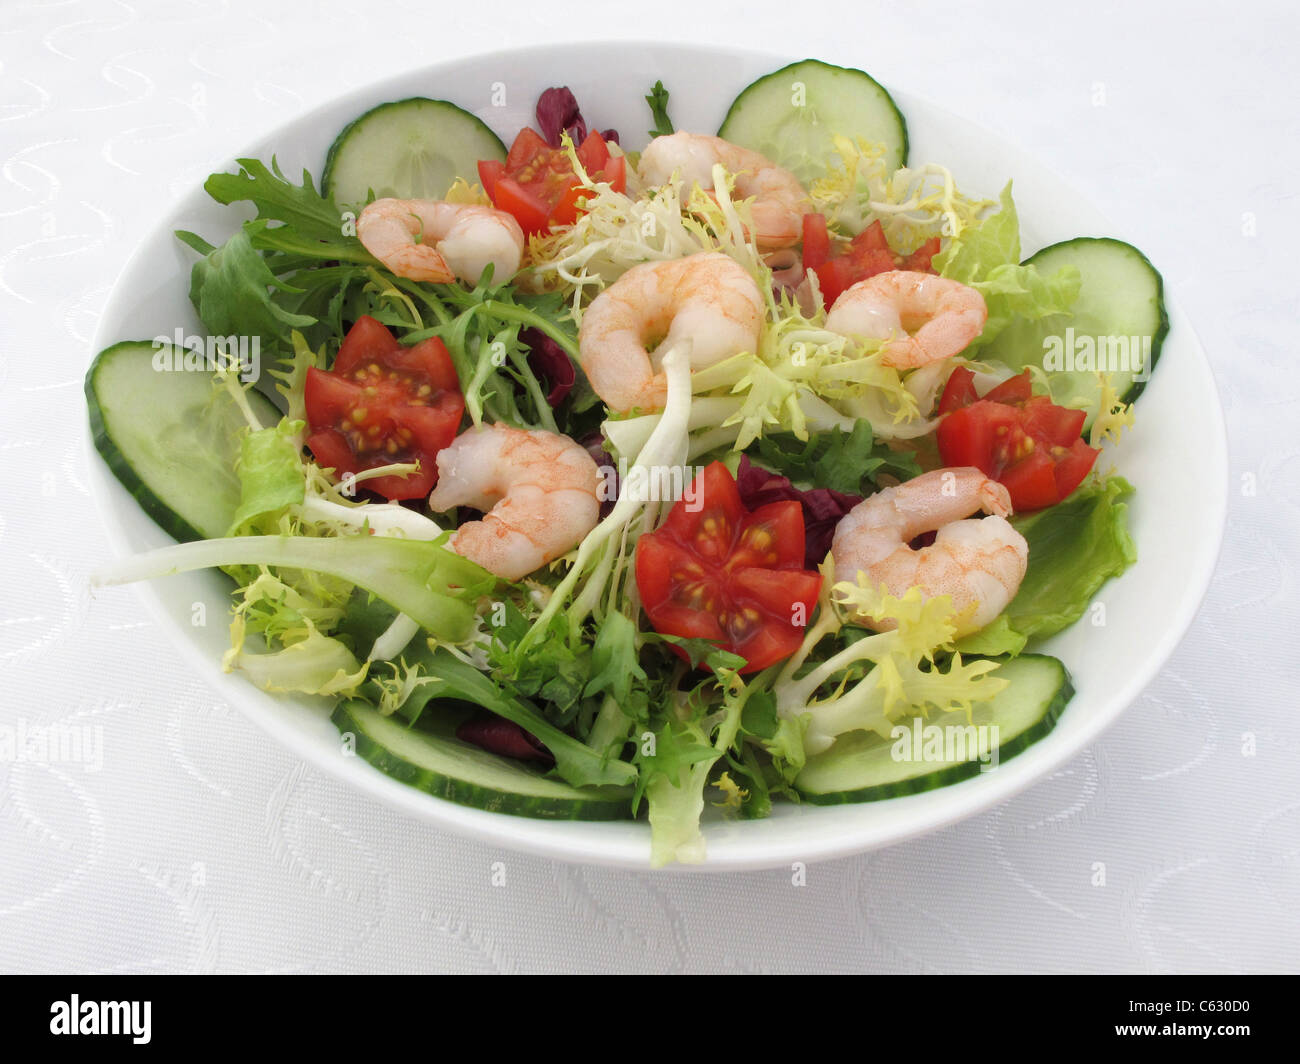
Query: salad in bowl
[[599, 476]]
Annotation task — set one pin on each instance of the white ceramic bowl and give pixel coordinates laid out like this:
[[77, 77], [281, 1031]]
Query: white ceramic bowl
[[1176, 457]]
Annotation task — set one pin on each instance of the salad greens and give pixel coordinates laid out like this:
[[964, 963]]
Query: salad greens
[[986, 256], [367, 603], [658, 101], [1074, 548]]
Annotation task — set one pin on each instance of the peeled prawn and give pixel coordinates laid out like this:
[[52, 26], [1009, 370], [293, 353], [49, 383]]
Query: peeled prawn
[[780, 201], [538, 490], [979, 563], [922, 317], [429, 240], [707, 298]]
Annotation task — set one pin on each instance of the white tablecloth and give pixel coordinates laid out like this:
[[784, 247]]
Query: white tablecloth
[[201, 846]]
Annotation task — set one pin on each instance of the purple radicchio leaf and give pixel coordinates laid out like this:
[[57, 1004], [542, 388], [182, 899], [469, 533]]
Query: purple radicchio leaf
[[550, 363], [595, 445], [558, 112], [500, 736]]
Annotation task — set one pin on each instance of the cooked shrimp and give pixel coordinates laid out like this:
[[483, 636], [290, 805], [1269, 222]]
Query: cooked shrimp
[[538, 490], [924, 318], [780, 201], [707, 298], [979, 563], [429, 240]]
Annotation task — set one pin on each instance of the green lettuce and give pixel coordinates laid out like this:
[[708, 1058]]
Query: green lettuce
[[847, 462], [1074, 548], [675, 766], [434, 674], [658, 101], [310, 663], [299, 207], [993, 241], [232, 288], [986, 256], [270, 473], [878, 678], [994, 639], [424, 580]]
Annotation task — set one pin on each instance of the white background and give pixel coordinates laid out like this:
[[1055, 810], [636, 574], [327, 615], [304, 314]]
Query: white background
[[201, 846]]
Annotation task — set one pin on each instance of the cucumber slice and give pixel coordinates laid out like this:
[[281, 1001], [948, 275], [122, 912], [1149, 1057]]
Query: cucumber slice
[[169, 436], [861, 766], [431, 759], [790, 116], [410, 149], [1118, 324]]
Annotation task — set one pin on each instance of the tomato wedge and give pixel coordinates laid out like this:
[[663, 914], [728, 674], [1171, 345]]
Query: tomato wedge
[[1024, 441], [714, 570], [537, 183], [868, 254], [383, 403]]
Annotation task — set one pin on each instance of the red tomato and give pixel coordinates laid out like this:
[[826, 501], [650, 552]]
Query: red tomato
[[537, 183], [1024, 441], [919, 260], [1015, 390], [834, 277], [816, 241], [723, 573], [489, 172], [868, 254], [532, 212], [383, 403], [959, 391]]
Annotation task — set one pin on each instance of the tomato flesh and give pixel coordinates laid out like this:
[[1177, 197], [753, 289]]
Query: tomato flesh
[[383, 403], [714, 570], [1024, 441], [816, 241], [537, 183], [867, 254]]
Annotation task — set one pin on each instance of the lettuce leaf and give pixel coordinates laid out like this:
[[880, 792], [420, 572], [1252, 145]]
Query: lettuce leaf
[[986, 256], [658, 101], [847, 462], [1022, 292], [881, 677], [993, 640], [675, 767], [270, 473], [911, 203], [310, 663], [279, 199], [994, 241], [1074, 548], [231, 288], [424, 580], [441, 675]]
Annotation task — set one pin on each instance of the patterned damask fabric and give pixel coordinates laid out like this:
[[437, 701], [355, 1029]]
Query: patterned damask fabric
[[196, 844]]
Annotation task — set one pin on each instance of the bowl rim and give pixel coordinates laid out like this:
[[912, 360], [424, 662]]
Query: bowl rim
[[589, 845]]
